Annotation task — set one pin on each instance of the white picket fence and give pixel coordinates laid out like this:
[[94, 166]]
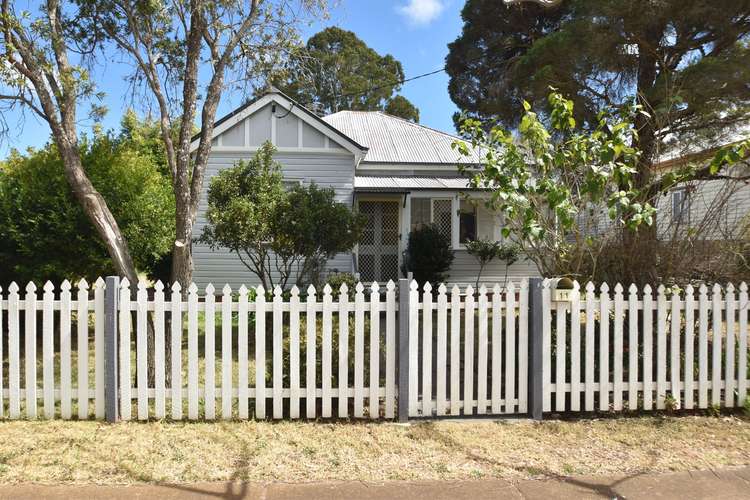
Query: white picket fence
[[243, 391], [58, 317], [639, 351], [226, 359], [242, 354], [469, 351]]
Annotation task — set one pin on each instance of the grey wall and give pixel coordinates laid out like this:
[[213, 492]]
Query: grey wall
[[220, 267], [464, 271]]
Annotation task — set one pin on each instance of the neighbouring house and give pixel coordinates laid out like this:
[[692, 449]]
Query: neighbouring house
[[717, 209], [711, 211], [398, 173]]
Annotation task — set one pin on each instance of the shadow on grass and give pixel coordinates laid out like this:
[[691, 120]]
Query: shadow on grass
[[427, 431]]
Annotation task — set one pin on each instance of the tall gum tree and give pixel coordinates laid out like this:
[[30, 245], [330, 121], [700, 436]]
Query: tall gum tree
[[185, 55], [42, 72]]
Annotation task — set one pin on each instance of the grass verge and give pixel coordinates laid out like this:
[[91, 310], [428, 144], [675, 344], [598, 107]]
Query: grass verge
[[94, 452]]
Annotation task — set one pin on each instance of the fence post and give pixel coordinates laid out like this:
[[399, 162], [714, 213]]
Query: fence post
[[536, 354], [403, 350], [111, 293]]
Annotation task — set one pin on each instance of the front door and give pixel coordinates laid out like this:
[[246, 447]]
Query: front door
[[379, 243]]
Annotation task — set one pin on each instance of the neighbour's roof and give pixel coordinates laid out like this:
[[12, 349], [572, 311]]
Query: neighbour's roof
[[373, 183], [699, 148], [396, 141]]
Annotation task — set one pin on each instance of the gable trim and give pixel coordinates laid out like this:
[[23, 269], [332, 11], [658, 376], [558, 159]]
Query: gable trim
[[289, 106]]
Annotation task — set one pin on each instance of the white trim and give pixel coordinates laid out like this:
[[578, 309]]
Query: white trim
[[444, 194], [402, 167], [247, 133], [439, 167], [455, 221], [299, 134], [273, 126], [326, 130], [286, 149], [405, 229]]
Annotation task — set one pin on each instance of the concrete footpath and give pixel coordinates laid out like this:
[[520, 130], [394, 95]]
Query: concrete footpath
[[718, 484]]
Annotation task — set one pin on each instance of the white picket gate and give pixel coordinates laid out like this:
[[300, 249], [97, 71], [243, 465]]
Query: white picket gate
[[469, 351], [592, 362]]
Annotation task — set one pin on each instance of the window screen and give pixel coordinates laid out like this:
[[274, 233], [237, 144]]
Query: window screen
[[420, 212], [442, 218]]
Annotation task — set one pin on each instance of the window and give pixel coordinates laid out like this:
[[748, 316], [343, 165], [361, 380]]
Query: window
[[680, 206], [291, 183], [420, 212], [442, 217], [467, 222], [437, 211]]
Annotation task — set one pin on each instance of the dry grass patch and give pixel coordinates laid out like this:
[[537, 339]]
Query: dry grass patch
[[93, 452]]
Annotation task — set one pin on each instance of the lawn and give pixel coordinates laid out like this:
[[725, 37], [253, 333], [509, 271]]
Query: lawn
[[94, 452]]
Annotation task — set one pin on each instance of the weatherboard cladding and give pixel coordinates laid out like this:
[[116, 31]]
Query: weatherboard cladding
[[329, 170]]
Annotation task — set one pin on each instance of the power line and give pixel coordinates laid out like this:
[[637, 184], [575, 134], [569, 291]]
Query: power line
[[395, 82], [402, 81]]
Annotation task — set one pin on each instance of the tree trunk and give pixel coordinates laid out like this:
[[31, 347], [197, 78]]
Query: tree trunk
[[640, 248], [96, 209], [182, 253]]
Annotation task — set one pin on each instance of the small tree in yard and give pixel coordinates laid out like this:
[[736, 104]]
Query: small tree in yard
[[567, 195], [428, 255], [282, 237], [544, 187], [485, 251], [315, 227]]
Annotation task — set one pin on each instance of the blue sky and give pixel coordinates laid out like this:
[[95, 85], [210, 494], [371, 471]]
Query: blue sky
[[416, 32]]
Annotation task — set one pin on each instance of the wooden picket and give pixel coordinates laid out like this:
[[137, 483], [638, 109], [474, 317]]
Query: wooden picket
[[469, 350], [336, 355], [648, 348]]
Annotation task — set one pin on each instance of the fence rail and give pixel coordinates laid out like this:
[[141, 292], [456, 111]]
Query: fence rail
[[190, 354], [638, 350]]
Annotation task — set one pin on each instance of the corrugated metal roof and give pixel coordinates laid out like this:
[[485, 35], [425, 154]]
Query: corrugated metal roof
[[408, 183], [394, 140]]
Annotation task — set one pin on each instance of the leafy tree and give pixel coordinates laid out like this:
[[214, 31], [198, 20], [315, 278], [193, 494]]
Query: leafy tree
[[44, 232], [184, 56], [558, 185], [401, 106], [544, 186], [485, 251], [313, 228], [428, 255], [337, 71], [282, 237], [685, 62], [43, 72]]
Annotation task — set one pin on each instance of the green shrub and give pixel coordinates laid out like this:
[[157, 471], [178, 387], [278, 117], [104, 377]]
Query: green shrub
[[428, 255], [44, 233], [335, 280]]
